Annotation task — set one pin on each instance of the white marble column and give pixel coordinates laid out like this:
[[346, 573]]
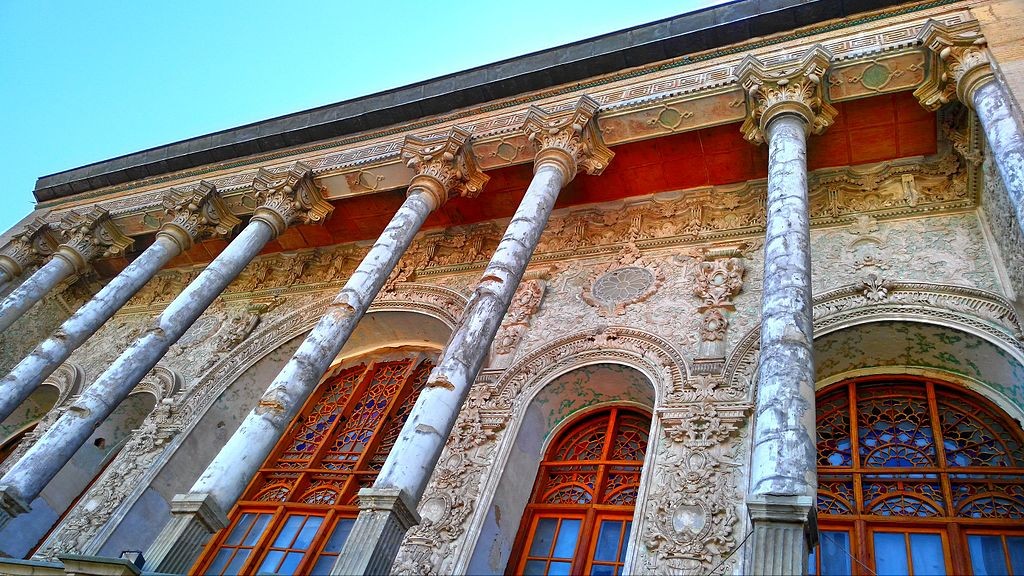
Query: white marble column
[[785, 106], [86, 236], [444, 167], [283, 200], [193, 215], [961, 68], [566, 143], [26, 249]]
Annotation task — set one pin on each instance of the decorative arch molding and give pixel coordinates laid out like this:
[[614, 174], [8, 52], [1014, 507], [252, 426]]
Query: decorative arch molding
[[984, 314], [460, 492], [88, 526], [67, 379], [161, 383]]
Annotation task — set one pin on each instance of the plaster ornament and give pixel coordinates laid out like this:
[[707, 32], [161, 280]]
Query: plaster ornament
[[958, 55], [445, 166], [90, 235], [627, 279], [289, 196], [196, 214], [28, 248]]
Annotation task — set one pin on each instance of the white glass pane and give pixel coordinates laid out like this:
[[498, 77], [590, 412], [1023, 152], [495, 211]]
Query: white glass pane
[[927, 555], [987, 557], [891, 554]]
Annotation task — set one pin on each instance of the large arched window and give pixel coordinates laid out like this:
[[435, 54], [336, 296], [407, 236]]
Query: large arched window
[[581, 510], [917, 477], [297, 512]]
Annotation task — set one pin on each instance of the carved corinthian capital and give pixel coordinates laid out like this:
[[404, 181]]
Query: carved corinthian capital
[[791, 88], [195, 215], [90, 235], [444, 167], [289, 197], [958, 63], [28, 247], [569, 140]]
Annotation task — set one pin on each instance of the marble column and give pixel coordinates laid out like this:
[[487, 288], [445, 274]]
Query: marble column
[[283, 199], [193, 215], [27, 248], [962, 64], [86, 236], [444, 167], [785, 106], [565, 144]]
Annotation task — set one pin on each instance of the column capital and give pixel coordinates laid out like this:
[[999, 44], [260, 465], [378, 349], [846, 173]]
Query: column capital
[[790, 88], [36, 241], [569, 140], [90, 235], [958, 63], [196, 214], [289, 197], [444, 167]]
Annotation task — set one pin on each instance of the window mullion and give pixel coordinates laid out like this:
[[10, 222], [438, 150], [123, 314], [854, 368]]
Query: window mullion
[[371, 447], [358, 391]]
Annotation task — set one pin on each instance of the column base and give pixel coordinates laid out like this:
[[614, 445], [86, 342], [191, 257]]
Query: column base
[[11, 505], [385, 515], [194, 519], [785, 529], [76, 565]]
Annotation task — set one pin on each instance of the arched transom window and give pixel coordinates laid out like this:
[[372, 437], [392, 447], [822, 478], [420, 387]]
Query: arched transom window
[[297, 512], [581, 511], [917, 477]]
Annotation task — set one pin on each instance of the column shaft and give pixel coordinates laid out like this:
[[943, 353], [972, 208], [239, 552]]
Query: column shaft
[[418, 447], [32, 290], [48, 355], [26, 479], [1005, 141]]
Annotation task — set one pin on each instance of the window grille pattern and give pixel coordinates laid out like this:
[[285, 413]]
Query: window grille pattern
[[295, 515]]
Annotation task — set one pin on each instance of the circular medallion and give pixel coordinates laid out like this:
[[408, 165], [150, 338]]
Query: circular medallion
[[622, 285]]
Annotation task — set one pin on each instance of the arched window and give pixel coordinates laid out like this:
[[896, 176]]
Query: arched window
[[917, 477], [295, 515], [581, 510]]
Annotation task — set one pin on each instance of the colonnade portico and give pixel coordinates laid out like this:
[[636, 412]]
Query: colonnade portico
[[284, 199], [193, 215], [444, 168], [86, 236]]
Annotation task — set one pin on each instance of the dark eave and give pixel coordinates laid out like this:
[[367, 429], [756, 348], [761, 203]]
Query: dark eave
[[641, 45]]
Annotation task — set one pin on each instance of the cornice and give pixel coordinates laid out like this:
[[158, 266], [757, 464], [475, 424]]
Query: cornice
[[869, 55]]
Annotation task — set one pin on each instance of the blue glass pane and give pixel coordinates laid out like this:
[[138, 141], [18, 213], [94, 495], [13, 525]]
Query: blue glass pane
[[291, 562], [257, 530], [602, 570], [812, 562], [340, 534], [559, 569], [288, 532], [307, 533], [625, 541], [271, 562], [535, 568], [543, 537], [987, 557], [891, 554], [236, 563], [323, 566], [565, 545], [219, 561], [608, 540], [835, 553], [1016, 546], [927, 555], [239, 530]]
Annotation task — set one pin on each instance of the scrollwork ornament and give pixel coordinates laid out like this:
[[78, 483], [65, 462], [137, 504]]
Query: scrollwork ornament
[[28, 247], [289, 197], [960, 63], [90, 235], [446, 167], [571, 141], [196, 214]]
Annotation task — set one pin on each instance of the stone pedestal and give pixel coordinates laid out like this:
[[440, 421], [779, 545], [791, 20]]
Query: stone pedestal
[[75, 565], [785, 531], [194, 518], [385, 515]]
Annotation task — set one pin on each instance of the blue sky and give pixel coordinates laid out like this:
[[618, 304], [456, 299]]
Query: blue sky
[[86, 81]]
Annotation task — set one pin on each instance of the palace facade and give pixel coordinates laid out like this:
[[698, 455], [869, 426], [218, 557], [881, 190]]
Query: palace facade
[[736, 292]]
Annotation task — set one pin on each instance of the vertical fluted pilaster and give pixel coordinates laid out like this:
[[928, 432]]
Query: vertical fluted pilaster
[[565, 144], [443, 168]]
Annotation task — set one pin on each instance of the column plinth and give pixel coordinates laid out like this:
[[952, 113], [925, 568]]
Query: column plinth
[[563, 142], [194, 518], [385, 515], [785, 532], [444, 167], [27, 477]]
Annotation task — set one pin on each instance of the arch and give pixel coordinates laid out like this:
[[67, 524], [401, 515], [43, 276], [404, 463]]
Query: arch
[[981, 314], [508, 400], [104, 528], [161, 383], [55, 391]]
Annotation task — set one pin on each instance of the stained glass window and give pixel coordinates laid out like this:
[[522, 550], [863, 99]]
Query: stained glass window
[[917, 476], [581, 511], [295, 515]]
